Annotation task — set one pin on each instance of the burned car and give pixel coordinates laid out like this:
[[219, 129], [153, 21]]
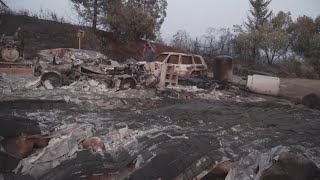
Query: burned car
[[185, 65], [62, 66]]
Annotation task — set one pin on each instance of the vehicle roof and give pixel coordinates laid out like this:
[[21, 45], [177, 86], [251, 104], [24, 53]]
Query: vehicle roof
[[176, 53]]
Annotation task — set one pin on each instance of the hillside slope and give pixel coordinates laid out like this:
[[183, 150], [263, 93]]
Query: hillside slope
[[43, 34]]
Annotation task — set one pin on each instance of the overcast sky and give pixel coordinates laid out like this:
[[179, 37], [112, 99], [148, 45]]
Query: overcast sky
[[194, 16]]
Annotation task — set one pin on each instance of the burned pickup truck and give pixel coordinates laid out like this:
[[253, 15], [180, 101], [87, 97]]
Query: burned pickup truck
[[58, 67]]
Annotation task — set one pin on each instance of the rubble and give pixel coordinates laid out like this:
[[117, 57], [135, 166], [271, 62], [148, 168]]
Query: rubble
[[74, 64], [119, 76], [14, 83], [33, 84], [22, 146], [152, 133], [63, 145], [216, 171], [19, 146], [279, 163], [86, 116], [93, 143]]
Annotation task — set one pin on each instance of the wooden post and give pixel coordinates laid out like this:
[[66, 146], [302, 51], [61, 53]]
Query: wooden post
[[80, 35]]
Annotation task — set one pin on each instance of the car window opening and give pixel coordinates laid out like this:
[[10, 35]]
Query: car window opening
[[173, 60]]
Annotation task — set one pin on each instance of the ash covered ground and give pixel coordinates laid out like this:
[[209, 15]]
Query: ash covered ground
[[173, 133]]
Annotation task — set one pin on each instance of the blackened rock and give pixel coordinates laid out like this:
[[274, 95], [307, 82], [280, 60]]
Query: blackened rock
[[8, 162], [311, 101], [290, 166]]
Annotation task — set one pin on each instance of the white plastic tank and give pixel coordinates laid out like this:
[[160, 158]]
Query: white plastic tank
[[264, 84]]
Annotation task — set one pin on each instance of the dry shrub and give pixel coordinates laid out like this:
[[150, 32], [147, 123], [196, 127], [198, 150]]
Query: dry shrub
[[301, 69]]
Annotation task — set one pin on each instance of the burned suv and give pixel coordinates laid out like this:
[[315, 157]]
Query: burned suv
[[186, 65]]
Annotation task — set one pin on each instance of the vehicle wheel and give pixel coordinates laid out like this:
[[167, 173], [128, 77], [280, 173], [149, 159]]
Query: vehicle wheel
[[10, 54], [54, 78], [127, 83]]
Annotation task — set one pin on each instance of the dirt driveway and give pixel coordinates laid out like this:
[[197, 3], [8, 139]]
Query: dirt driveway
[[297, 88], [294, 89]]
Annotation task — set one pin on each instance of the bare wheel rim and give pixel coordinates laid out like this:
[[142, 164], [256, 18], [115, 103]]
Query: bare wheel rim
[[10, 54]]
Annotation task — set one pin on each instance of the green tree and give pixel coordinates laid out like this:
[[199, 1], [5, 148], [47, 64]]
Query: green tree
[[259, 13], [243, 43], [303, 30], [154, 8], [274, 37], [282, 21], [271, 39], [274, 42], [90, 10], [314, 55], [305, 33], [315, 46], [131, 19], [128, 23]]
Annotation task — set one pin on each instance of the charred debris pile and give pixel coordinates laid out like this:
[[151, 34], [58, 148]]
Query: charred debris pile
[[91, 71], [80, 115]]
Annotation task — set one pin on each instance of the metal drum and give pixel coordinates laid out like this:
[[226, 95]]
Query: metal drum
[[264, 84], [222, 68]]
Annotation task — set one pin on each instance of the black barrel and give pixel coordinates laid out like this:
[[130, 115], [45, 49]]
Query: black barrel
[[222, 68]]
